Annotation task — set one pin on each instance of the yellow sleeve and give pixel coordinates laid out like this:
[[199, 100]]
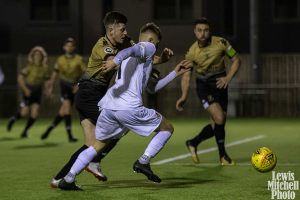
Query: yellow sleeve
[[189, 54]]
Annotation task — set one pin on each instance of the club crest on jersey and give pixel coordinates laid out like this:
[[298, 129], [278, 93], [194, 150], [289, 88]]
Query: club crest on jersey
[[108, 50]]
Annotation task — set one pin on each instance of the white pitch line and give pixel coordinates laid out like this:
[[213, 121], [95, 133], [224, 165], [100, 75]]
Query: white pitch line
[[237, 164], [180, 157]]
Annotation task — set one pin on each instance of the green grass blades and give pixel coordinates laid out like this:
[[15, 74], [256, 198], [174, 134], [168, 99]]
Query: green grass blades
[[27, 165]]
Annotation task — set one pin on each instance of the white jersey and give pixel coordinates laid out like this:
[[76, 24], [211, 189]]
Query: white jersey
[[131, 79]]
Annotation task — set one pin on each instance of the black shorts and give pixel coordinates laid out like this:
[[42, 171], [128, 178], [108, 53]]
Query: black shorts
[[66, 90], [35, 96], [87, 98], [209, 93]]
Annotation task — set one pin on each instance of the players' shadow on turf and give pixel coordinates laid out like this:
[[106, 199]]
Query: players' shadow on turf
[[240, 160], [7, 139], [174, 182], [37, 146]]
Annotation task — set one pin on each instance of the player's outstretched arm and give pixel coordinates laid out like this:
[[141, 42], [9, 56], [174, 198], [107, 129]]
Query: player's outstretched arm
[[164, 57], [185, 85], [144, 50], [181, 68]]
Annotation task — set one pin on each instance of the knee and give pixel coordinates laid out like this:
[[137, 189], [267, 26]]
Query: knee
[[219, 118], [61, 111], [171, 128], [24, 112], [67, 107], [34, 115], [167, 126]]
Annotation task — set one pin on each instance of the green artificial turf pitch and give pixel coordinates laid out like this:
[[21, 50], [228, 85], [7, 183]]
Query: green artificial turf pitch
[[27, 165]]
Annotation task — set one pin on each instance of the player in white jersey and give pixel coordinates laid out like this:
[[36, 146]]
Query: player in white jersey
[[123, 110]]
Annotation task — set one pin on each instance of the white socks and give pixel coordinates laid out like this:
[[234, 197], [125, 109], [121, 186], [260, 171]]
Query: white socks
[[156, 144], [81, 162]]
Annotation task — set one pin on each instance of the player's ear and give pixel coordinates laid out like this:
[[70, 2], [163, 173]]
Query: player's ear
[[195, 30], [110, 30]]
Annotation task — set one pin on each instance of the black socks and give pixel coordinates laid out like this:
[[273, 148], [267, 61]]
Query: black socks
[[206, 133], [30, 121], [105, 151], [220, 138]]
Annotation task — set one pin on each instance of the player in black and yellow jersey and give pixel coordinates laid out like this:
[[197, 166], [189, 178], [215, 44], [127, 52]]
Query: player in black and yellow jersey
[[69, 67], [207, 56], [93, 86], [31, 80]]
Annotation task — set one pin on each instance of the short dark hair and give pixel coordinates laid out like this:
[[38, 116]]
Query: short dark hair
[[151, 27], [202, 20], [70, 39], [114, 17]]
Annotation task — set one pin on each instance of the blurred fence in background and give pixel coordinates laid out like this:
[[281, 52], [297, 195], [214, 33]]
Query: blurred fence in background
[[278, 95]]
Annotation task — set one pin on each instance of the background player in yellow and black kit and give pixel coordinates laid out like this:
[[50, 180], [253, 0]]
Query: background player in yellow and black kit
[[31, 81], [207, 56], [93, 86], [70, 68]]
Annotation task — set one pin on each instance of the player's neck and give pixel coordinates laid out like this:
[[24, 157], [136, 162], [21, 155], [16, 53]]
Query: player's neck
[[69, 55], [111, 40], [204, 44]]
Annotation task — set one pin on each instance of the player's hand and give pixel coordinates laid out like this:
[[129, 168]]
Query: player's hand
[[164, 57], [183, 67], [222, 82], [166, 54], [108, 66], [180, 103], [48, 88], [188, 64]]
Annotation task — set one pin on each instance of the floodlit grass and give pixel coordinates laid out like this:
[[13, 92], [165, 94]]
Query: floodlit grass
[[27, 165]]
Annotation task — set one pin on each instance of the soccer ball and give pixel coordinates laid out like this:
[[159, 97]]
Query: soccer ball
[[263, 160]]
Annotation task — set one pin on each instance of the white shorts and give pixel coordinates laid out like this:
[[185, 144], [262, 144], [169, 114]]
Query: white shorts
[[116, 123]]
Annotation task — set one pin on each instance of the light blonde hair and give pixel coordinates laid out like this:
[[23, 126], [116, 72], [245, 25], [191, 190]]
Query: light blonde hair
[[42, 51]]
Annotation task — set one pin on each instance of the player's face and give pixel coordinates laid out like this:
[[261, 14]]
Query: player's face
[[69, 47], [202, 33], [118, 32], [149, 37], [37, 57]]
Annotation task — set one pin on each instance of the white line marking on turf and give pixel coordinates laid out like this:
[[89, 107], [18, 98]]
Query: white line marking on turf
[[180, 157], [237, 164]]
